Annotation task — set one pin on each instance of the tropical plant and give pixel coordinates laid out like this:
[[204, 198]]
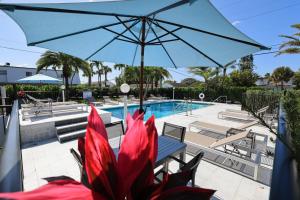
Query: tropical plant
[[292, 46], [281, 75], [159, 74], [246, 63], [99, 70], [59, 60], [230, 65], [244, 78], [205, 72], [106, 70], [130, 177], [187, 82], [296, 79]]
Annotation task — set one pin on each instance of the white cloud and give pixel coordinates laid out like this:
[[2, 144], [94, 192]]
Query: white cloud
[[234, 23], [22, 65]]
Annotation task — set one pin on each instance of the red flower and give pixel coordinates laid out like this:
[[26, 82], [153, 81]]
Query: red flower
[[129, 177]]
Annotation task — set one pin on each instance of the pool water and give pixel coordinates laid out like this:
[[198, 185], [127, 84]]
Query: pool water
[[158, 109]]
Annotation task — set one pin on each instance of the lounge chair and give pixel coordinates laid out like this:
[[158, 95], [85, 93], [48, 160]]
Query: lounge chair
[[205, 126], [152, 97], [133, 99], [242, 115], [235, 141], [108, 100]]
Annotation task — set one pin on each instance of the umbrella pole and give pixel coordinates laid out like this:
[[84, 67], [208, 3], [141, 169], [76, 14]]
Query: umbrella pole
[[142, 65]]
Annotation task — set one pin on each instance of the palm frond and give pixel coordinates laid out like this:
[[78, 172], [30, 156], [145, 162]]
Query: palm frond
[[289, 37], [293, 43], [289, 51], [297, 26]]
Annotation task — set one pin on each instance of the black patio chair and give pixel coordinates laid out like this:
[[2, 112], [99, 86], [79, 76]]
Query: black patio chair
[[115, 129], [174, 131], [190, 169], [83, 175]]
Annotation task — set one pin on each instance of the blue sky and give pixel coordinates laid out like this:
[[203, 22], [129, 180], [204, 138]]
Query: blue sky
[[262, 20]]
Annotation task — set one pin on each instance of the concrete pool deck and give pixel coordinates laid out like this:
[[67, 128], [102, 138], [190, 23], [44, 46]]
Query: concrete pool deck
[[50, 158]]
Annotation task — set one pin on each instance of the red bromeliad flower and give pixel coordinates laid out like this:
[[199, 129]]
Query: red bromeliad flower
[[131, 176]]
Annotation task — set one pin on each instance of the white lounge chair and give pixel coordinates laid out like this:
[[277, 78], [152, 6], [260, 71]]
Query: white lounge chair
[[205, 126], [239, 114], [108, 100], [236, 142]]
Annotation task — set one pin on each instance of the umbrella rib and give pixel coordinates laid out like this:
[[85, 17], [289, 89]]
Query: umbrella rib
[[12, 7], [164, 35], [134, 42], [190, 45], [118, 18], [169, 56], [174, 5], [214, 34], [162, 41], [121, 35], [78, 32], [136, 48], [113, 39]]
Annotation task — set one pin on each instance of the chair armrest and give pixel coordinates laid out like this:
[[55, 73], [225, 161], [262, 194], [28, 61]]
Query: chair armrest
[[178, 160]]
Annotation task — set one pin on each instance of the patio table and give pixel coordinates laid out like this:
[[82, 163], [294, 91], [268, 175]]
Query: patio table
[[167, 146]]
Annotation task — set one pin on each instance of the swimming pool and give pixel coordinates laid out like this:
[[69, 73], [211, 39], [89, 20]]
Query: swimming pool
[[159, 110]]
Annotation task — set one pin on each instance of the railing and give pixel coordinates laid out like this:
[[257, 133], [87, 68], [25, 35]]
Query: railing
[[220, 97], [285, 180], [11, 171]]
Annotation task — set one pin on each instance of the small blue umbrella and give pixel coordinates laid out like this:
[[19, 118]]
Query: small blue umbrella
[[167, 33], [39, 79]]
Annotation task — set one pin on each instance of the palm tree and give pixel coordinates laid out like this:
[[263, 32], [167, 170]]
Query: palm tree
[[293, 45], [61, 61], [227, 66], [205, 72], [281, 75], [99, 71], [160, 74], [106, 70]]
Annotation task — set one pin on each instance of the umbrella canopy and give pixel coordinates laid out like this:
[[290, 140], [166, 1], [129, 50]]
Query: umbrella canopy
[[167, 33], [39, 79]]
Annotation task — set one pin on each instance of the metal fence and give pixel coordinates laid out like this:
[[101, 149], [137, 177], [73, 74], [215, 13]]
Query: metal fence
[[285, 178], [11, 170]]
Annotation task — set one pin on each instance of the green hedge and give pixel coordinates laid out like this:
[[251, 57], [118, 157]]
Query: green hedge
[[291, 104], [233, 94], [256, 99]]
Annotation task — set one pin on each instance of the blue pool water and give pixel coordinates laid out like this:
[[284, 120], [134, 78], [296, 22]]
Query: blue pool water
[[158, 109]]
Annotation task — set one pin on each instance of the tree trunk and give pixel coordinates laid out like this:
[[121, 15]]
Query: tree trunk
[[67, 87], [72, 78], [105, 79], [281, 85], [90, 80]]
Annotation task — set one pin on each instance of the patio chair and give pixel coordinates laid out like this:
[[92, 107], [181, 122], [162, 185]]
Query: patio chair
[[133, 99], [83, 175], [108, 100], [189, 167], [174, 131], [205, 126], [259, 111], [242, 115], [237, 140], [152, 97]]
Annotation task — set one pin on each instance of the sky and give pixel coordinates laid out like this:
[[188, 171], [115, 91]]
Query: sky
[[262, 20]]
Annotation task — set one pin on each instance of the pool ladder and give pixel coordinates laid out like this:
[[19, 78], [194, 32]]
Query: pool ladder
[[186, 106]]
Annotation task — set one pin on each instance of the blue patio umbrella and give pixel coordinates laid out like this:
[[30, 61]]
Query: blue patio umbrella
[[39, 79], [167, 33]]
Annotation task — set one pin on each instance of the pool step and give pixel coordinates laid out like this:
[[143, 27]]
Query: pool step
[[71, 135], [70, 129]]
